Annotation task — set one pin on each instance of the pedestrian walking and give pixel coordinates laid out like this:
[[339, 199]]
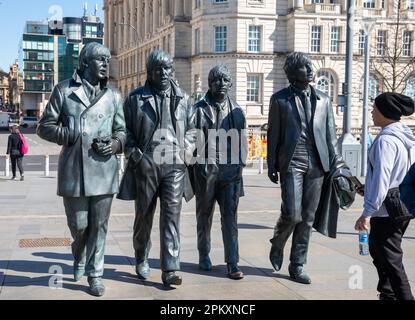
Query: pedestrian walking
[[390, 158], [14, 149]]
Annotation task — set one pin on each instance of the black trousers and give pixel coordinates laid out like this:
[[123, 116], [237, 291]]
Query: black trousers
[[169, 183], [221, 184], [87, 219], [19, 162], [300, 192], [385, 248]]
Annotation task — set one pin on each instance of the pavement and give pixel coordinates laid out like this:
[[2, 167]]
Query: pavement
[[36, 261]]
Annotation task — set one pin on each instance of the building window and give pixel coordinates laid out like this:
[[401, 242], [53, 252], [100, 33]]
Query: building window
[[407, 43], [91, 31], [253, 86], [361, 42], [197, 41], [221, 38], [254, 38], [411, 4], [325, 82], [315, 38], [317, 1], [219, 1], [410, 87], [373, 87], [381, 42], [197, 4], [369, 4], [335, 40]]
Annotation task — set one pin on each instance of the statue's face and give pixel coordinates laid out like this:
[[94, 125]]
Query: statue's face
[[98, 67], [304, 74], [160, 75], [219, 87]]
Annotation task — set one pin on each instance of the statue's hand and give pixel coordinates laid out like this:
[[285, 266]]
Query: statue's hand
[[273, 176], [105, 148]]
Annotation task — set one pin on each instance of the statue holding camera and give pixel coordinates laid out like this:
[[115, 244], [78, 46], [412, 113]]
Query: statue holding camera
[[86, 118]]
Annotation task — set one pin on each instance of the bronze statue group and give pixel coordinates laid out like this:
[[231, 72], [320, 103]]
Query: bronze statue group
[[176, 149]]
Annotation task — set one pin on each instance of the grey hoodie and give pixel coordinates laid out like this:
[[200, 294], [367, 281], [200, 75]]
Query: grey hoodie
[[390, 157]]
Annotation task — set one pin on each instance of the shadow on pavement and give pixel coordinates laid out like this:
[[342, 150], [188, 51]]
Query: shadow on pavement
[[218, 271]]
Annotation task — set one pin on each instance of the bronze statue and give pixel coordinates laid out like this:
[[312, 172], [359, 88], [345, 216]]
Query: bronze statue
[[217, 175], [86, 118], [302, 147], [158, 137]]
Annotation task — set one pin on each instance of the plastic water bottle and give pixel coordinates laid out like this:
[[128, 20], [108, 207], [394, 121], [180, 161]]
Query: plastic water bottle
[[363, 243]]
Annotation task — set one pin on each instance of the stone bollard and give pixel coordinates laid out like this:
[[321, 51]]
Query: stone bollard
[[46, 165], [122, 160], [7, 168], [261, 165]]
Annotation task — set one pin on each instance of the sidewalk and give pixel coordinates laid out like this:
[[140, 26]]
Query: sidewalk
[[31, 210]]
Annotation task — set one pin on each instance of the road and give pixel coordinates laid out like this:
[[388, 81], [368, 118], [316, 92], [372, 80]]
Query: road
[[34, 163], [37, 146]]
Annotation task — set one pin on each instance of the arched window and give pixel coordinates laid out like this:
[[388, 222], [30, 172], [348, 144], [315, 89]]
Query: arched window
[[410, 87], [373, 87], [325, 82]]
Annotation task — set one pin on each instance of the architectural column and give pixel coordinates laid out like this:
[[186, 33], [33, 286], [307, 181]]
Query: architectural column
[[119, 30], [137, 22], [106, 25], [147, 17], [179, 8], [124, 27], [299, 4]]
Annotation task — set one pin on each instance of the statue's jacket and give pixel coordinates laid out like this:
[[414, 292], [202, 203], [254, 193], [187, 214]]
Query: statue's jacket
[[204, 120], [284, 129], [71, 120], [141, 123]]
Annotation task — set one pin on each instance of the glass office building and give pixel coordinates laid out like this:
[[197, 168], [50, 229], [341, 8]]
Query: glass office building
[[50, 54]]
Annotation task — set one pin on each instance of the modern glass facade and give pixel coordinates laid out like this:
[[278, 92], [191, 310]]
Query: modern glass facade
[[39, 51], [38, 57]]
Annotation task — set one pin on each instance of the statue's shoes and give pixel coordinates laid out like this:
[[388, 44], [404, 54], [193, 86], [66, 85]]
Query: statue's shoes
[[234, 272], [276, 260], [143, 270], [298, 274], [78, 273], [96, 287], [171, 278], [205, 263]]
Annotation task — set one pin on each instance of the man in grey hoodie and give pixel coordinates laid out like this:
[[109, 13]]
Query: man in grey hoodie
[[390, 158]]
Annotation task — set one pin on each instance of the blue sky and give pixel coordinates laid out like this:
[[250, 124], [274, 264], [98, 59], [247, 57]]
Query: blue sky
[[14, 14]]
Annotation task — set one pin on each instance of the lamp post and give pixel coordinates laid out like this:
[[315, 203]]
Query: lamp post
[[367, 28], [350, 148], [136, 43]]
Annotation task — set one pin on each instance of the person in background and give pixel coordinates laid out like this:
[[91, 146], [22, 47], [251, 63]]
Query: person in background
[[13, 149], [388, 162]]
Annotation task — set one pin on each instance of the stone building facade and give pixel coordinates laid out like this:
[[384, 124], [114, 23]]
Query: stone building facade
[[253, 38]]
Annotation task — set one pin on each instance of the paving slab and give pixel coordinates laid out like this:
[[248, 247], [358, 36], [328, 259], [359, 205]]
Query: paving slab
[[34, 211]]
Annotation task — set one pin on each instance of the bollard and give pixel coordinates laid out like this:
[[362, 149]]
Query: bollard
[[261, 165], [7, 168], [121, 163], [46, 165]]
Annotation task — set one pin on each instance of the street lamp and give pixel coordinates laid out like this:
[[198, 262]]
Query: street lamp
[[136, 43], [367, 28], [350, 148]]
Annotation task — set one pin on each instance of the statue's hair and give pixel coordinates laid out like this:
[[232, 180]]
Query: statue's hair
[[158, 57], [91, 51], [219, 71], [294, 61]]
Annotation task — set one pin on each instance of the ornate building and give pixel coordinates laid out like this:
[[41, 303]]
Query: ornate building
[[253, 38]]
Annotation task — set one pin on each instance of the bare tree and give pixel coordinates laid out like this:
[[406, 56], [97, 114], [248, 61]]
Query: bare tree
[[392, 61]]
